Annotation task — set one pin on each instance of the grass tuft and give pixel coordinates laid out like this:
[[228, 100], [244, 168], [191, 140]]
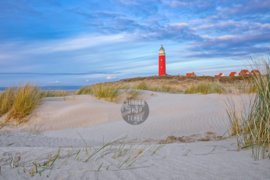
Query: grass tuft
[[108, 91], [54, 93], [250, 121], [6, 100], [206, 88], [19, 102], [143, 86], [132, 93], [27, 97]]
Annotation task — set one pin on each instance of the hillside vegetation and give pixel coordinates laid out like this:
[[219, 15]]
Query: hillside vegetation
[[177, 84]]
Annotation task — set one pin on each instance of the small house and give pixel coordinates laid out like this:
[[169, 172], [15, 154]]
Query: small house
[[191, 74], [220, 74], [255, 72], [244, 72], [234, 74]]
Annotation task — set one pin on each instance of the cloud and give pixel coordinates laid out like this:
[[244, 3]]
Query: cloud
[[215, 54], [235, 27], [54, 82], [177, 32], [247, 7], [111, 77], [228, 42], [62, 45], [196, 6]]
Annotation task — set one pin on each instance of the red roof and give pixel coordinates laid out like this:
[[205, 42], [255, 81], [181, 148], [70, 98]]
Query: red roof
[[190, 74], [218, 75], [255, 71], [232, 73], [244, 71]]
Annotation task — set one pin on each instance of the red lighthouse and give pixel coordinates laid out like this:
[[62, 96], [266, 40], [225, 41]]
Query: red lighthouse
[[162, 62]]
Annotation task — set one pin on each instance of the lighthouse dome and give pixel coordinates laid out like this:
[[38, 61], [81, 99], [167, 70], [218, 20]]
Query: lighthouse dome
[[161, 51]]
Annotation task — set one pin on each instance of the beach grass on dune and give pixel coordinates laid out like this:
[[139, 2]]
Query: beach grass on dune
[[53, 93], [108, 91], [6, 100], [206, 88], [143, 86], [246, 87], [85, 90], [19, 102], [250, 122], [104, 90], [132, 92], [160, 88], [27, 97]]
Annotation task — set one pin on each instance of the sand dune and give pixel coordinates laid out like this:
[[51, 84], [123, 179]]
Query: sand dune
[[185, 114], [99, 121]]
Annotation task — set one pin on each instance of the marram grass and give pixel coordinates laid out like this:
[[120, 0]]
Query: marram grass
[[206, 88], [53, 93], [246, 87], [132, 92], [250, 121], [117, 154], [159, 88], [27, 97], [108, 91], [19, 102], [6, 100], [105, 90]]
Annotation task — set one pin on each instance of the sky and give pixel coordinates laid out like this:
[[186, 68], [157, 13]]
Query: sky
[[81, 42]]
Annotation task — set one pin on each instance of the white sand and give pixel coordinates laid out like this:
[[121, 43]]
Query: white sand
[[98, 121]]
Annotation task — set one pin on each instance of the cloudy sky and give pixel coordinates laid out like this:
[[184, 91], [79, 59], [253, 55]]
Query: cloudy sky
[[80, 42]]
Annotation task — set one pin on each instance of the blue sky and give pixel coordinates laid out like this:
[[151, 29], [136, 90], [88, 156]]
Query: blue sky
[[80, 42]]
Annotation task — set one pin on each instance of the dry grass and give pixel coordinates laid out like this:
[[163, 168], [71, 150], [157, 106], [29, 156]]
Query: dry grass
[[54, 93], [115, 155], [85, 90], [206, 88], [180, 79], [6, 100], [27, 97], [250, 121], [108, 91], [246, 87], [132, 92], [143, 86], [19, 102], [105, 90], [159, 88]]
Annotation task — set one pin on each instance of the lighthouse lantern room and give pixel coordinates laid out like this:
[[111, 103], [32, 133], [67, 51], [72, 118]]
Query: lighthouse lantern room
[[162, 62]]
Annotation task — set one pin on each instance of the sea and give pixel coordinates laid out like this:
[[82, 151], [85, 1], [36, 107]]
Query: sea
[[53, 88]]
